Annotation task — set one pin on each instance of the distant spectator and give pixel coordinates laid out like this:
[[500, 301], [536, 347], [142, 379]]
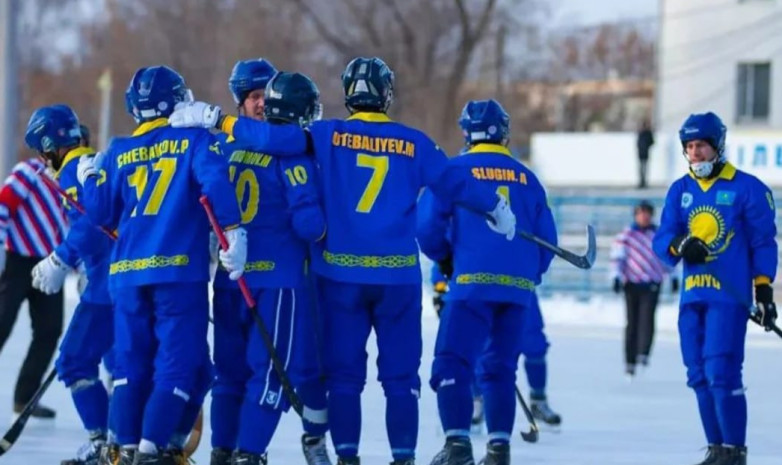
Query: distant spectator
[[639, 273], [645, 142]]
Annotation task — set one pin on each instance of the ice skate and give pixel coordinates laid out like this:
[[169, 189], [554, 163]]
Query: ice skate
[[220, 456], [457, 451], [315, 451], [542, 412], [496, 454], [714, 455], [733, 456], [246, 458], [88, 454]]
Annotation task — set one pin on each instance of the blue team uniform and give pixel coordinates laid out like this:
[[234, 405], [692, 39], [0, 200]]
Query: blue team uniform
[[90, 333], [280, 210], [733, 213], [371, 170], [148, 190], [490, 291]]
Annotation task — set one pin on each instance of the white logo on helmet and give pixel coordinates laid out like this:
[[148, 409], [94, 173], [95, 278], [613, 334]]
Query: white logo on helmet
[[361, 86], [492, 130], [162, 106]]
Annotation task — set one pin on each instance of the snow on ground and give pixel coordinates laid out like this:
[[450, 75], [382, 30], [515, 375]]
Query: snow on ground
[[607, 421]]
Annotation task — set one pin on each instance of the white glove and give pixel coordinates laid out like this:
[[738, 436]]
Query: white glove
[[87, 167], [234, 259], [214, 246], [49, 274], [504, 219], [194, 115], [2, 257]]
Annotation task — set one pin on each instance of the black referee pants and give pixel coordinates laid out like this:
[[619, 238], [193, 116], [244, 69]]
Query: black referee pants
[[46, 316], [641, 300]]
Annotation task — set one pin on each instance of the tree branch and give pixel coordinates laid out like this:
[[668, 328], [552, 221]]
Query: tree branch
[[332, 38]]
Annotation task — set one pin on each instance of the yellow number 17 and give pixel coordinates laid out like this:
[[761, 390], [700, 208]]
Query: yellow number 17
[[379, 166]]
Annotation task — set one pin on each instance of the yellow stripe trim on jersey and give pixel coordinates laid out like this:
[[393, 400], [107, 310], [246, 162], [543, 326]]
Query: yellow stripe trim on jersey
[[498, 279], [73, 154], [370, 117], [489, 148], [155, 261], [227, 126], [144, 128], [761, 279], [370, 261]]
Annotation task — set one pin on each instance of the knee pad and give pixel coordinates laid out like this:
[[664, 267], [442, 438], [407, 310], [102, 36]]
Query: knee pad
[[696, 377], [498, 368], [403, 387], [450, 369], [71, 370], [723, 373]]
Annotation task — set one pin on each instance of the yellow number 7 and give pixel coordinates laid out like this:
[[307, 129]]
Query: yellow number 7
[[138, 179], [379, 167]]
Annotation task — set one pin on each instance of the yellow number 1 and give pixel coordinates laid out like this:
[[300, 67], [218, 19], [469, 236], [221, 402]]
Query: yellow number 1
[[138, 179], [379, 166]]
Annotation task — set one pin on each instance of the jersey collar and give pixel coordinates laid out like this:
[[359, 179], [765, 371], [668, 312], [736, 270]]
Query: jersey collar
[[370, 117], [489, 148], [728, 172], [144, 128], [73, 154]]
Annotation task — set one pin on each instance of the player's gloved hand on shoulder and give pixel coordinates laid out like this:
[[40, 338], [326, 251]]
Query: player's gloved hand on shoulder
[[692, 249], [618, 286], [234, 259], [767, 309], [49, 274], [195, 115], [674, 285], [502, 220], [86, 168]]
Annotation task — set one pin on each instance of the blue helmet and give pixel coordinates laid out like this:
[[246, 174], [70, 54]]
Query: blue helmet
[[292, 98], [249, 75], [85, 135], [707, 127], [484, 121], [153, 92], [52, 128], [368, 84]]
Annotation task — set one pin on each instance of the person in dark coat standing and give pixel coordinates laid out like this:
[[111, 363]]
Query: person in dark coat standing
[[644, 143]]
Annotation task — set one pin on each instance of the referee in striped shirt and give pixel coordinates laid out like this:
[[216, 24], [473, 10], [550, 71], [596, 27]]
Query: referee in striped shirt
[[32, 224], [639, 273]]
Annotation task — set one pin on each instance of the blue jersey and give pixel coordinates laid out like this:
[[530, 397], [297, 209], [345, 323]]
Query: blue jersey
[[733, 214], [371, 170], [486, 266], [84, 242], [149, 189], [280, 209]]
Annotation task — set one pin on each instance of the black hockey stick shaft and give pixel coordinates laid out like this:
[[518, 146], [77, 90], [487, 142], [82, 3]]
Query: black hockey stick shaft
[[13, 433], [532, 434], [279, 368]]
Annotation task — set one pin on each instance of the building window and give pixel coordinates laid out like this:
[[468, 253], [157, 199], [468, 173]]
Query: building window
[[753, 92]]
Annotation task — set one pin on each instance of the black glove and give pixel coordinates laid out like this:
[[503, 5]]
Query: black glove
[[674, 285], [767, 309], [692, 249], [618, 285], [438, 303], [446, 267]]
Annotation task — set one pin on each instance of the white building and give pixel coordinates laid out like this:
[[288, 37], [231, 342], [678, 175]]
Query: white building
[[724, 56]]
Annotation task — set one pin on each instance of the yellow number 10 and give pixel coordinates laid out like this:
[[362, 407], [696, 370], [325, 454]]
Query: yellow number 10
[[379, 166], [138, 179]]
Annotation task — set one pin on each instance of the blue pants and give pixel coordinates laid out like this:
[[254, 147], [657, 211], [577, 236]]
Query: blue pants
[[534, 347], [247, 399], [89, 337], [712, 344], [351, 311], [160, 348], [469, 331]]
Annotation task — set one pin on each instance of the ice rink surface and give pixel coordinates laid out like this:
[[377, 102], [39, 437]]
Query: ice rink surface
[[606, 419]]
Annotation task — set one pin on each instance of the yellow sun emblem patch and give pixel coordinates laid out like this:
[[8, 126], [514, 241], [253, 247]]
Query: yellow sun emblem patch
[[706, 223]]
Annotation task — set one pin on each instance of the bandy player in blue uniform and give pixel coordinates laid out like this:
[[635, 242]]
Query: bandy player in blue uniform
[[720, 222], [279, 203], [148, 189], [371, 170], [534, 348], [54, 133], [491, 286]]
